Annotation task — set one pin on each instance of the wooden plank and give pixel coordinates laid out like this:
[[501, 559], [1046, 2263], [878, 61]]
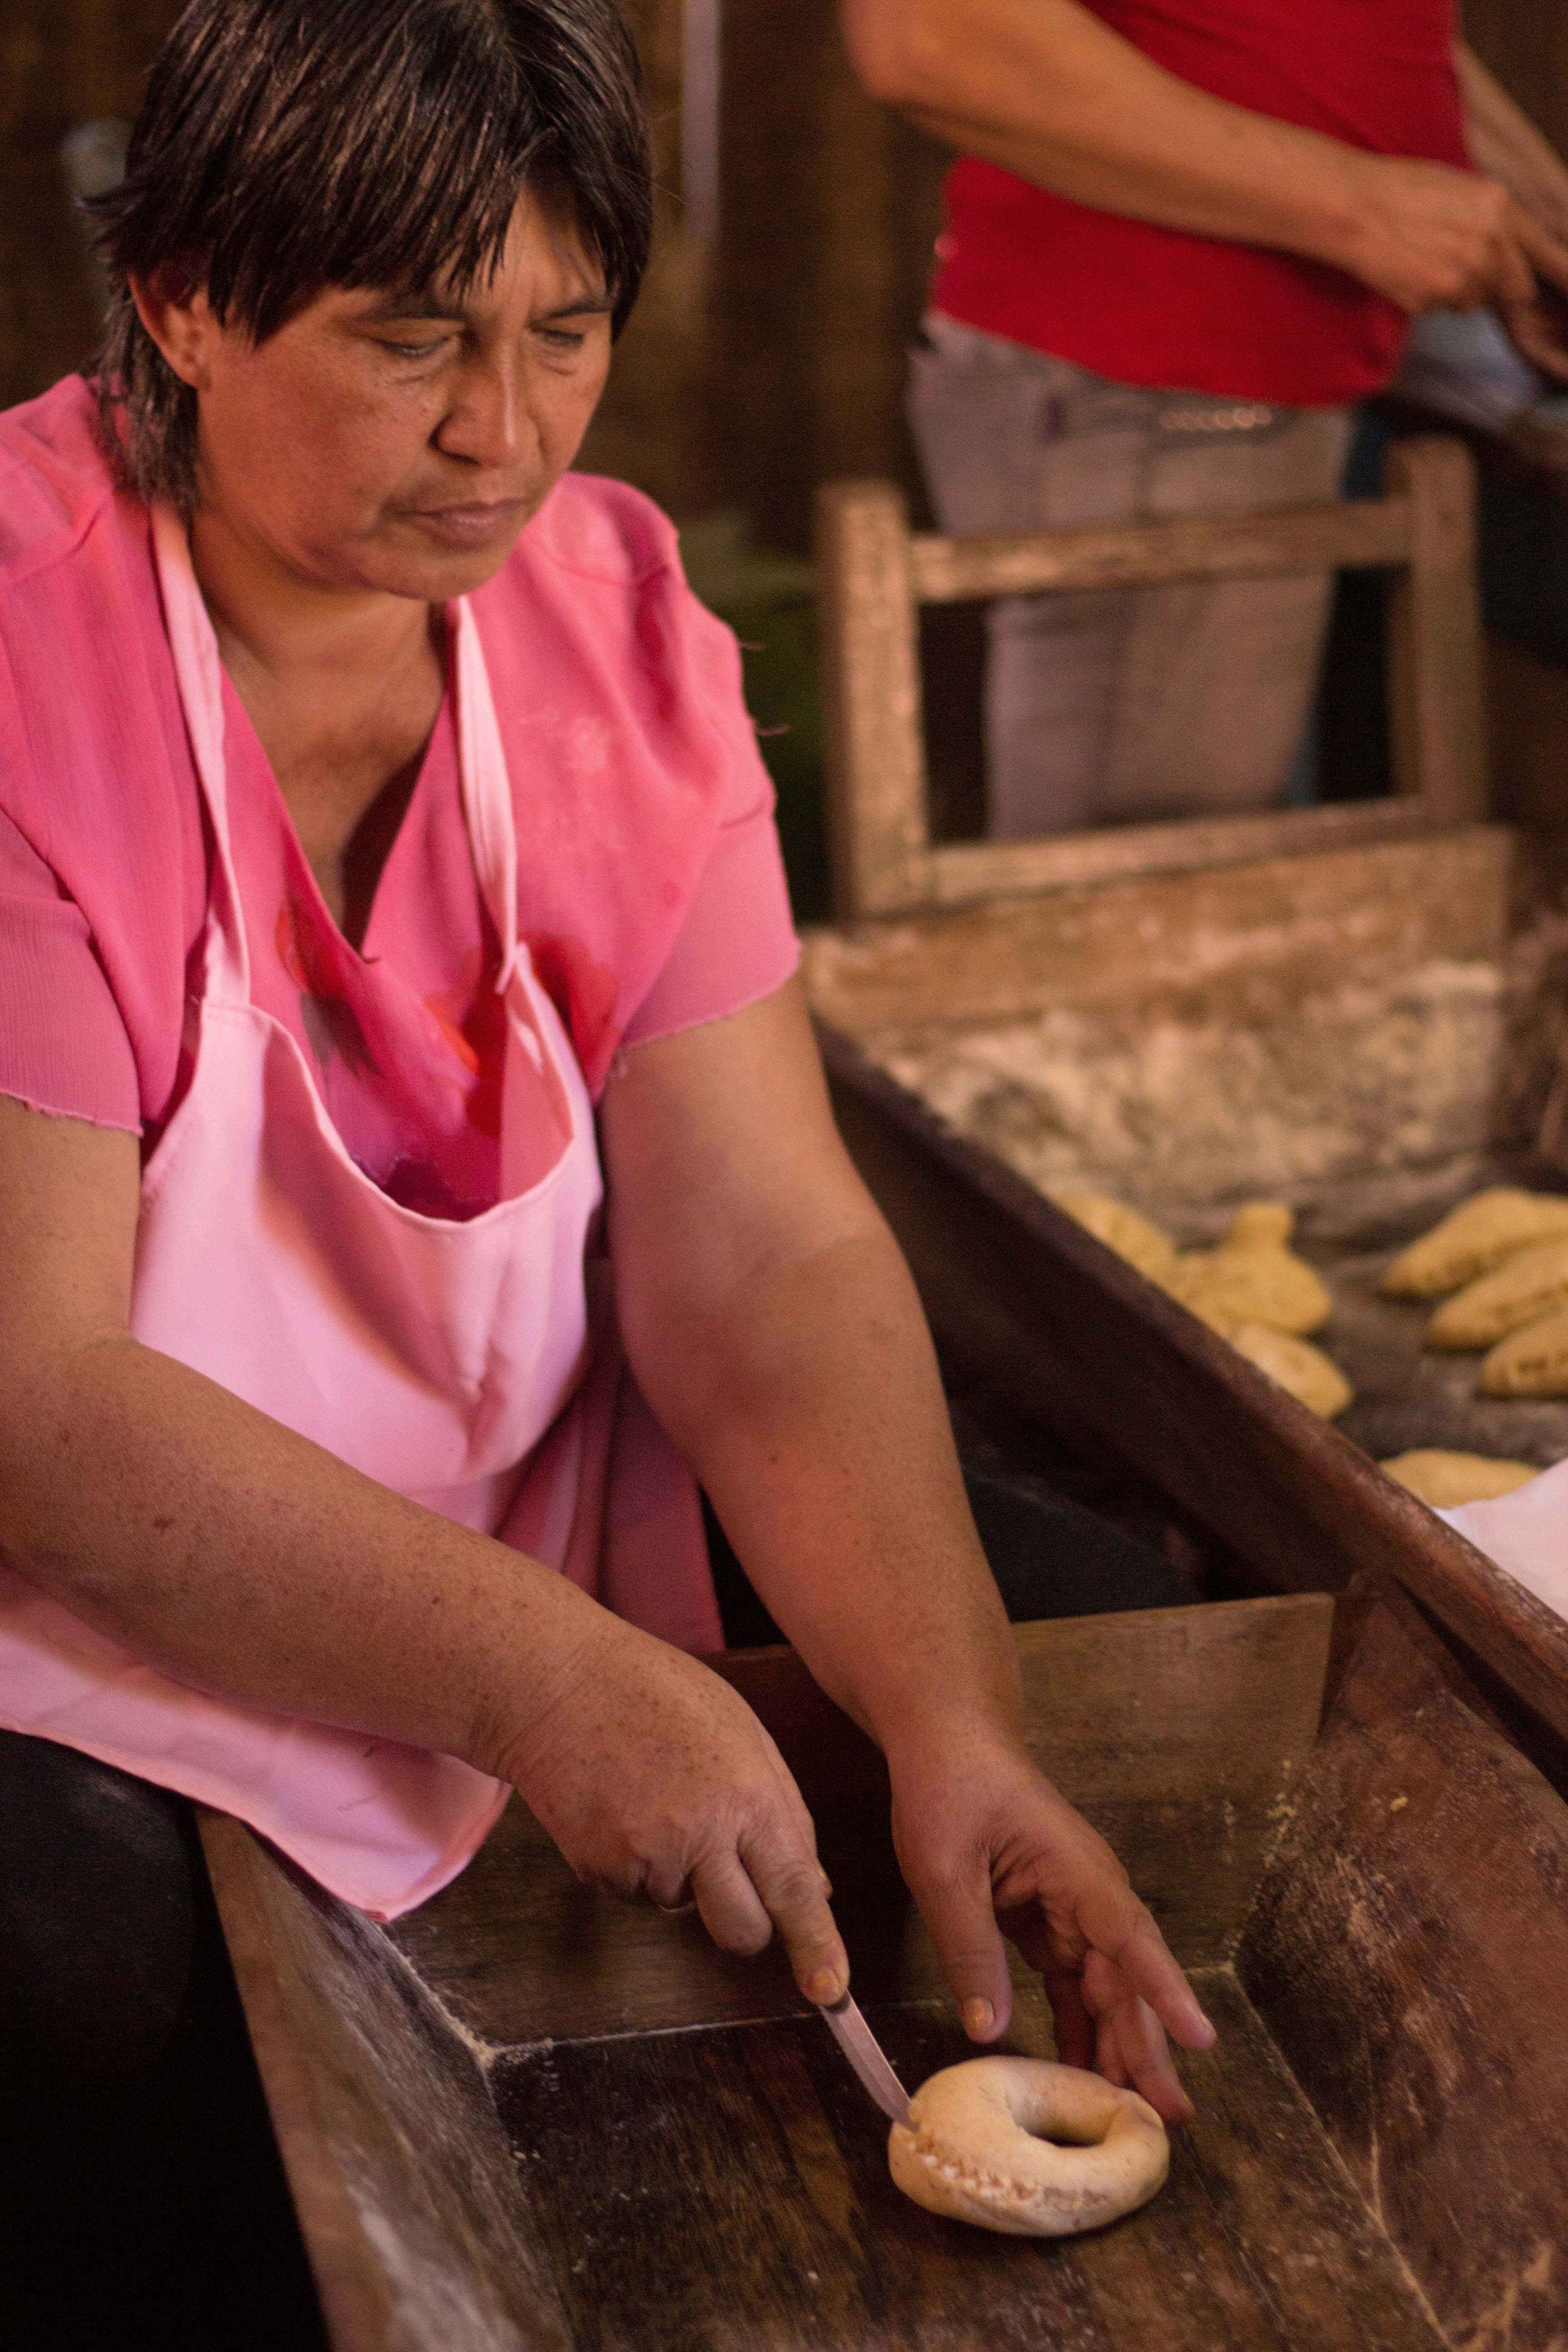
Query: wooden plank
[[1409, 1953], [1022, 1296], [400, 2172], [730, 2190], [966, 870], [1176, 1731], [1242, 945], [871, 699], [1361, 534], [1436, 690]]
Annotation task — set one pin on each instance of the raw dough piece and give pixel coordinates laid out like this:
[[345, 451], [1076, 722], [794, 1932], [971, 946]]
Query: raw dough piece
[[974, 2153], [1473, 1238], [1253, 1289], [1253, 1276], [1446, 1480], [1531, 1362], [1312, 1378], [1527, 1287], [1123, 1230]]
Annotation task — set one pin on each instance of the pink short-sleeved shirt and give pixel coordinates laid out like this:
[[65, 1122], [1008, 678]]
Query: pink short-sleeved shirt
[[650, 886]]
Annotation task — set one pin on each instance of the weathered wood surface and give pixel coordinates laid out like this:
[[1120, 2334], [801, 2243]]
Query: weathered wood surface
[[1437, 706], [1239, 947], [400, 2172], [1409, 1955], [1176, 1732], [1360, 534], [871, 699], [963, 871], [1379, 2160], [1021, 1296], [875, 575], [730, 2190]]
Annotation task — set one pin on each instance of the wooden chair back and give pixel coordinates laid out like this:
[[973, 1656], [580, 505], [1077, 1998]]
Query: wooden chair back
[[875, 574]]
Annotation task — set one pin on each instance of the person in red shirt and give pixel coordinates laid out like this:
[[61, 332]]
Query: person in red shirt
[[1183, 238]]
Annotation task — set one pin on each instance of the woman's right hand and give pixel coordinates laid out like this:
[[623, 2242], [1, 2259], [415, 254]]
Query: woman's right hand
[[658, 1784], [1433, 238]]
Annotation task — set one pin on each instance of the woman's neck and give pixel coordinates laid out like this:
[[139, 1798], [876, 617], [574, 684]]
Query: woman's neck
[[297, 633], [343, 688]]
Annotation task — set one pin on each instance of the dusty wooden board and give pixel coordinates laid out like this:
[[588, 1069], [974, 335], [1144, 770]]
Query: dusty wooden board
[[1020, 1294], [875, 576], [1378, 2160], [398, 2167], [1365, 534], [1237, 946], [965, 873], [1438, 750], [729, 2188], [1409, 1955], [1176, 1731]]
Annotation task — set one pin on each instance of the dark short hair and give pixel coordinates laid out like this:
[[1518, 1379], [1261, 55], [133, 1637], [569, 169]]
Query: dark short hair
[[285, 146]]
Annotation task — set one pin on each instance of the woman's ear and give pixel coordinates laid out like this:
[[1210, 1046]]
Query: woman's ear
[[175, 314]]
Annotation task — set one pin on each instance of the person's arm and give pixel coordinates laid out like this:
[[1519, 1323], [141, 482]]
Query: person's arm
[[1505, 145], [1045, 89], [258, 1568], [773, 1327]]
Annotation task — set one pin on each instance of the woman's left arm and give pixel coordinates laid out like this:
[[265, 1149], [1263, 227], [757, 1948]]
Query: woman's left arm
[[772, 1326]]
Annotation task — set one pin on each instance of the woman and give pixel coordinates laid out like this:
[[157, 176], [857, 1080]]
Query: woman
[[376, 804]]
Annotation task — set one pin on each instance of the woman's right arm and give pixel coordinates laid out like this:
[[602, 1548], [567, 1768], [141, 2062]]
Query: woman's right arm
[[253, 1565]]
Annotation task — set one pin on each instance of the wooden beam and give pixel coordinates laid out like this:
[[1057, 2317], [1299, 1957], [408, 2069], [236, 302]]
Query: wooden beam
[[871, 698], [1361, 534], [1436, 705], [967, 870], [1242, 946]]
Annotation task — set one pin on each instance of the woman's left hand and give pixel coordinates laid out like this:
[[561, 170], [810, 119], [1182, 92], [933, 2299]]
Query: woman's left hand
[[989, 1848]]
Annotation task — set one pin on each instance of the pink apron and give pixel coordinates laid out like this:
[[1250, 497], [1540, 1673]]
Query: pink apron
[[459, 1363]]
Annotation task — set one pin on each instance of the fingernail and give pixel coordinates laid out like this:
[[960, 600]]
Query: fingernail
[[979, 2017], [821, 1984]]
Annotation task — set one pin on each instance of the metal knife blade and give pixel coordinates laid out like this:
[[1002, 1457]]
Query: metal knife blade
[[866, 2054]]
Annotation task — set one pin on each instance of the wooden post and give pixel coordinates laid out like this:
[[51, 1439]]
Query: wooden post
[[877, 828], [1437, 706]]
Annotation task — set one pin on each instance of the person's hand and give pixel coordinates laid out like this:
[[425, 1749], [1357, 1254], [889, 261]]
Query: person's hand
[[1432, 238], [659, 1785], [989, 1848]]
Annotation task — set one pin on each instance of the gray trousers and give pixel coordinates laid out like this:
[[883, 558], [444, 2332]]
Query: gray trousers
[[1118, 706]]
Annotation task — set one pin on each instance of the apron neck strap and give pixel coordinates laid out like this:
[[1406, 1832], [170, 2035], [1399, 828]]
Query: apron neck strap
[[198, 673], [486, 789]]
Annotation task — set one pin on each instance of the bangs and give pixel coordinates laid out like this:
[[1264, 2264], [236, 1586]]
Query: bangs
[[377, 142]]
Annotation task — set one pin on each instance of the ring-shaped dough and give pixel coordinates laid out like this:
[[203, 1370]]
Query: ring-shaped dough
[[974, 2154]]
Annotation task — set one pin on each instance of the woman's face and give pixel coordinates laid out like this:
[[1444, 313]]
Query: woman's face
[[393, 441]]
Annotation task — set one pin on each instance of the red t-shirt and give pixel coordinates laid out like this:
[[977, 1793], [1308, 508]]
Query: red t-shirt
[[1155, 306]]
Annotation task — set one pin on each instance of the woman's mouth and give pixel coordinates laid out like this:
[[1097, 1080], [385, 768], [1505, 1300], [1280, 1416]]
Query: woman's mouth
[[472, 523]]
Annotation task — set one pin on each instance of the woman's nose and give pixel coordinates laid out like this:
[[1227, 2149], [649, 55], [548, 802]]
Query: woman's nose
[[488, 422]]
